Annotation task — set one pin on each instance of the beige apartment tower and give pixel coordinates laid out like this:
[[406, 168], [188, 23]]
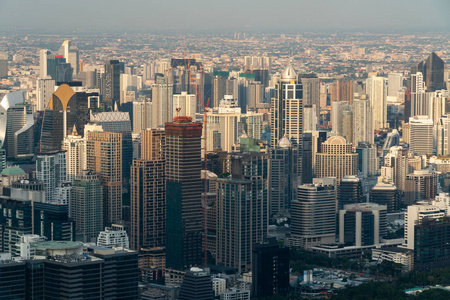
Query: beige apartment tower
[[104, 157], [337, 159]]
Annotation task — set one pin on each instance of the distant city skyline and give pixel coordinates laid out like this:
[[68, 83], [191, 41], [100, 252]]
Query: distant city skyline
[[232, 15]]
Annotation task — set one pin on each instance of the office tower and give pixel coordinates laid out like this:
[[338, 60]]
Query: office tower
[[342, 119], [434, 73], [86, 207], [183, 198], [16, 126], [362, 224], [437, 105], [242, 210], [17, 221], [254, 96], [223, 130], [65, 109], [350, 191], [3, 66], [309, 118], [119, 122], [53, 222], [111, 83], [253, 124], [104, 157], [197, 284], [421, 185], [71, 54], [270, 270], [75, 147], [443, 136], [13, 274], [336, 159], [148, 193], [367, 159], [44, 89], [113, 238], [51, 170], [395, 84], [130, 85], [313, 215], [385, 194], [286, 112], [142, 115], [44, 56], [376, 88], [362, 120], [307, 158], [162, 102], [311, 91], [342, 90], [209, 194], [186, 103], [283, 176], [219, 85], [421, 136]]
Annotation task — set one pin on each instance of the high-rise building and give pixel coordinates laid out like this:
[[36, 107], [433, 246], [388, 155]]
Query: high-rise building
[[113, 238], [142, 115], [16, 126], [313, 215], [385, 194], [421, 135], [434, 73], [311, 91], [342, 119], [104, 157], [395, 84], [421, 185], [111, 83], [362, 224], [3, 66], [51, 170], [242, 210], [377, 91], [148, 193], [44, 56], [75, 147], [367, 159], [15, 223], [270, 270], [283, 176], [45, 86], [362, 120], [197, 284], [443, 136], [162, 102], [186, 103], [392, 139], [86, 207], [52, 221], [286, 112], [350, 191], [336, 159], [223, 130], [65, 109], [183, 197], [71, 54], [342, 90]]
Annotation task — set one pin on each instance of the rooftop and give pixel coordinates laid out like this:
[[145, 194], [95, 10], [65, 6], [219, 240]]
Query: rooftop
[[56, 245], [12, 171]]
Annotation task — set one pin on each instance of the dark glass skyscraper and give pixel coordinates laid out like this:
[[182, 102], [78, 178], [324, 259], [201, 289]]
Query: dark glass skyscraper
[[183, 194], [111, 83], [434, 73]]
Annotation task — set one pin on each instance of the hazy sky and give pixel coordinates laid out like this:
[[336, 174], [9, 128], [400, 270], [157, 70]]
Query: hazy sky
[[227, 15]]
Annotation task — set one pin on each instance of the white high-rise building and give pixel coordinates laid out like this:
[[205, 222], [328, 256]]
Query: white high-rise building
[[362, 120], [142, 115], [113, 238], [186, 103], [45, 87], [71, 54], [162, 99], [377, 91], [75, 147], [421, 135], [415, 215], [443, 136], [44, 54], [395, 84], [51, 170]]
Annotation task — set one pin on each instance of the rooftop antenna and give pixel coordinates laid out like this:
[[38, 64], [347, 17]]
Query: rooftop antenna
[[178, 111]]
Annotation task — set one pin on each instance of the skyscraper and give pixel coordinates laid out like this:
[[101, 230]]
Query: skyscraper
[[283, 176], [44, 56], [385, 194], [187, 103], [395, 84], [16, 126], [162, 102], [336, 159], [183, 198], [104, 157], [3, 66], [286, 112], [362, 120], [421, 136], [313, 219], [45, 86], [350, 191], [51, 170], [142, 115], [75, 147], [377, 91], [86, 207], [434, 73], [421, 185], [148, 193], [111, 83], [70, 53]]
